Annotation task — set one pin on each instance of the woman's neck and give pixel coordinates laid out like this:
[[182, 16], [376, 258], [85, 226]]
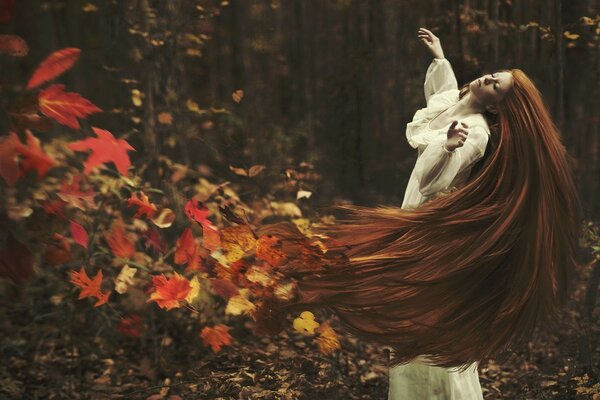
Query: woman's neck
[[468, 105]]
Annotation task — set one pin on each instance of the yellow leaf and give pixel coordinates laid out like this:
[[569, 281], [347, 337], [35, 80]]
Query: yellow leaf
[[587, 21], [164, 218], [195, 284], [306, 323], [240, 304], [124, 279], [257, 275], [303, 193], [328, 340], [236, 241], [570, 35], [136, 97]]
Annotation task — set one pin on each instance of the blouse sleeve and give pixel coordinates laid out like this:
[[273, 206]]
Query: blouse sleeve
[[437, 167], [439, 78]]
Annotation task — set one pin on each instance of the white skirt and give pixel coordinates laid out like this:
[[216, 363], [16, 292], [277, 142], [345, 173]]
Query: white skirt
[[419, 381]]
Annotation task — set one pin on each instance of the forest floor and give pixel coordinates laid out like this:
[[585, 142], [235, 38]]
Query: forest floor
[[55, 349]]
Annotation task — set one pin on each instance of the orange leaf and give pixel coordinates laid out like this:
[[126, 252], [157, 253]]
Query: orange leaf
[[216, 337], [145, 206], [186, 247], [118, 241], [105, 148], [211, 239], [9, 163], [169, 293], [13, 45], [33, 155], [165, 118], [56, 63], [269, 248], [65, 107], [89, 287]]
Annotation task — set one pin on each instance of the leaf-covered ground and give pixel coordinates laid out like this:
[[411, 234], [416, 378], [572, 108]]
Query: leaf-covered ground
[[56, 347]]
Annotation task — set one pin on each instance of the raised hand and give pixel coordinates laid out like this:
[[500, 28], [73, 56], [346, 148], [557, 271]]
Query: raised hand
[[432, 42], [456, 136]]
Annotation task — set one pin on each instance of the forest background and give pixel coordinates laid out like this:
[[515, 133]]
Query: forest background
[[293, 105]]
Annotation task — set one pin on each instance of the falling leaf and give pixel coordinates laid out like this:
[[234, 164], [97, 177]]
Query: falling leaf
[[240, 304], [118, 241], [13, 45], [104, 148], [238, 95], [236, 241], [216, 337], [303, 194], [124, 279], [58, 250], [211, 239], [269, 248], [89, 7], [194, 107], [65, 107], [199, 215], [169, 293], [9, 162], [56, 63], [145, 206], [569, 35], [195, 291], [185, 247], [79, 234], [165, 118], [224, 288], [73, 194], [33, 156], [306, 323], [328, 340], [89, 287], [164, 218], [132, 326], [259, 275], [136, 97]]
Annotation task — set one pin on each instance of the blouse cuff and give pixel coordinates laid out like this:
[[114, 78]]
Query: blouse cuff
[[446, 150]]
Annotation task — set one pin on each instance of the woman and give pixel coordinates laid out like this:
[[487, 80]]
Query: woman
[[480, 252]]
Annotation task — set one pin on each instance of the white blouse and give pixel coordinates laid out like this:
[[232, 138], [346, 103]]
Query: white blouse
[[436, 168]]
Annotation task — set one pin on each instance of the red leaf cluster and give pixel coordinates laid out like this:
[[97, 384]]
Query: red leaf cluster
[[31, 154]]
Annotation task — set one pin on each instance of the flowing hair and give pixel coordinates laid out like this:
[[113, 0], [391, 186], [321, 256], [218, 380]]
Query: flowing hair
[[470, 272]]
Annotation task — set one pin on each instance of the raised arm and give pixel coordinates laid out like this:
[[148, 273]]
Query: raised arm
[[440, 76], [437, 167]]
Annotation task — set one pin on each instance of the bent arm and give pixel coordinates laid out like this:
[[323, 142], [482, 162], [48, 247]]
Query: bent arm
[[439, 78], [437, 167]]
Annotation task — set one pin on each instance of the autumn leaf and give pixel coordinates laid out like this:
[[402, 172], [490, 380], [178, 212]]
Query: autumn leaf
[[65, 107], [169, 293], [54, 207], [260, 276], [211, 239], [240, 304], [145, 206], [165, 118], [188, 252], [124, 279], [216, 337], [104, 148], [9, 162], [199, 215], [571, 36], [132, 326], [153, 238], [236, 241], [71, 193], [118, 241], [306, 323], [238, 95], [224, 288], [13, 45], [89, 287], [328, 340], [269, 248], [58, 250], [56, 63], [164, 218], [33, 156], [195, 291], [79, 234]]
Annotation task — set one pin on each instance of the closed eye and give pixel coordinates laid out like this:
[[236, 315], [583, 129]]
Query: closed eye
[[496, 85]]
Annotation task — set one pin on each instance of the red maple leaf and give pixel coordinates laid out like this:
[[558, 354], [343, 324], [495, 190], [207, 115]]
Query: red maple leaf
[[54, 65], [105, 148], [132, 326], [33, 157], [71, 193], [145, 206], [188, 252], [54, 207], [118, 241], [198, 214], [89, 287], [216, 337], [9, 162], [65, 107], [169, 293], [79, 234]]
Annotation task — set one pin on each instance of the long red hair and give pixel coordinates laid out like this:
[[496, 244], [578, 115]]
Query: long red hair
[[467, 273]]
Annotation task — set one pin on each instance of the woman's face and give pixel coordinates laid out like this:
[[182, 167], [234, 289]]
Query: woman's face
[[491, 88]]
